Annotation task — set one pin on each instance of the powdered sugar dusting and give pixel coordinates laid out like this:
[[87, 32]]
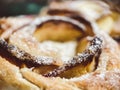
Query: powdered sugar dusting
[[86, 56]]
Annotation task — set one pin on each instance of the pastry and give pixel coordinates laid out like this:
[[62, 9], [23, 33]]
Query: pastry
[[64, 50]]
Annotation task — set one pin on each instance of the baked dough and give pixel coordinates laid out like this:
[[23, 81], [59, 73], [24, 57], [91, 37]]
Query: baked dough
[[28, 60]]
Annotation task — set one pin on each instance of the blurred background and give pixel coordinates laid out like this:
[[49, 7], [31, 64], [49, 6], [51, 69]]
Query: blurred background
[[20, 7]]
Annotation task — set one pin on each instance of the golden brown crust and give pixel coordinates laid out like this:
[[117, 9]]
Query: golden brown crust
[[109, 58], [79, 8], [109, 80], [108, 67], [9, 25], [11, 78], [48, 83], [103, 78], [107, 74], [81, 22]]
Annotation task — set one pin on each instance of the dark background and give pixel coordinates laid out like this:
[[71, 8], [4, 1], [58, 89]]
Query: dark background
[[20, 7]]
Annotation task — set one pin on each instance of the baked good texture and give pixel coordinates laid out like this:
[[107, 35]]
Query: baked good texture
[[62, 49]]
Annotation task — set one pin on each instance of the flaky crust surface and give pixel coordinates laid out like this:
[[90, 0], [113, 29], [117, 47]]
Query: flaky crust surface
[[11, 78], [105, 75]]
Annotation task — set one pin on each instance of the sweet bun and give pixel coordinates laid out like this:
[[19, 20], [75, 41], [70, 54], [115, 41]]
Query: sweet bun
[[65, 48]]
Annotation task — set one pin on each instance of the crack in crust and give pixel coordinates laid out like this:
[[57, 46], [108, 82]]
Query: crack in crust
[[83, 58]]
